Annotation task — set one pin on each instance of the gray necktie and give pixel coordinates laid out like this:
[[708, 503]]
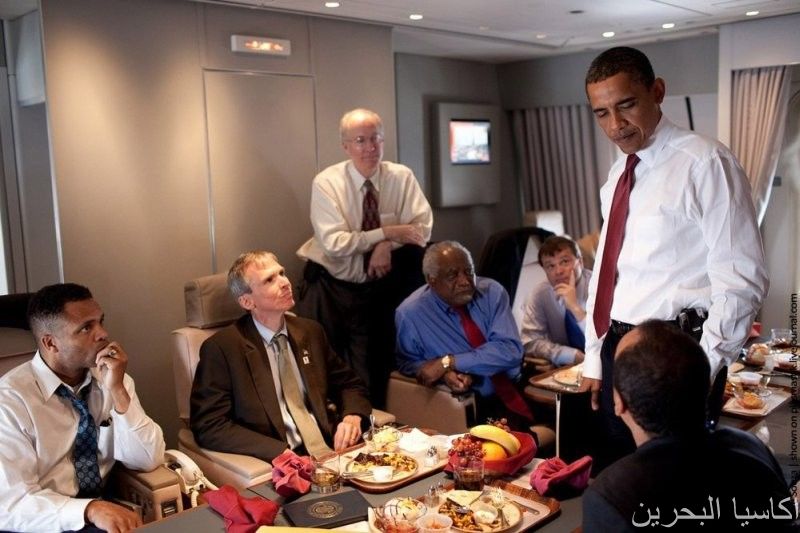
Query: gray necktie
[[309, 430]]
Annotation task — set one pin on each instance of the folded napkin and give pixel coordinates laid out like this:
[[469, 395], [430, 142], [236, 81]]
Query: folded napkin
[[755, 330], [414, 441], [242, 515], [558, 479], [291, 474]]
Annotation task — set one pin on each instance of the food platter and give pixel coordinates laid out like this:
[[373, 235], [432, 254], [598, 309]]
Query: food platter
[[404, 466], [569, 377], [465, 521]]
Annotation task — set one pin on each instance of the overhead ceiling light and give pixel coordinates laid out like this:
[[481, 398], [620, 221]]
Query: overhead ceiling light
[[415, 16], [608, 34], [668, 25], [541, 35], [752, 13], [483, 28], [332, 4]]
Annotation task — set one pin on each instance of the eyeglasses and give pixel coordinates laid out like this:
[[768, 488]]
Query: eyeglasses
[[360, 142]]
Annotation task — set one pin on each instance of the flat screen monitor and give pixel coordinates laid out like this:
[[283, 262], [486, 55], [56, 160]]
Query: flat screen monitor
[[470, 142]]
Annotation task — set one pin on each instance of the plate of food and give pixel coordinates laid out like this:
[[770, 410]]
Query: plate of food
[[569, 377], [402, 465], [787, 360], [398, 515], [471, 514]]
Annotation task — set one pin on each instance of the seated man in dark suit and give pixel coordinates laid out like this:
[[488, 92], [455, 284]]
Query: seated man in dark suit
[[680, 472], [459, 330], [264, 383]]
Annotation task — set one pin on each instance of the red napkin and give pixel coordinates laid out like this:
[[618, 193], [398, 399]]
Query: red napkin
[[242, 515], [755, 330], [509, 465], [556, 478], [291, 474]]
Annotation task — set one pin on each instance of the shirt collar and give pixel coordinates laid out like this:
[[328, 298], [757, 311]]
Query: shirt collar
[[358, 180], [266, 333], [48, 380], [658, 140]]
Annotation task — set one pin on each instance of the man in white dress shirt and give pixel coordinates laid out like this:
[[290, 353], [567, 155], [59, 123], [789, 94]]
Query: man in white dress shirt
[[554, 316], [74, 386], [690, 248], [371, 222]]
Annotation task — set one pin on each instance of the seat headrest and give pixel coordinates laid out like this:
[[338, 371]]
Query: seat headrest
[[209, 303]]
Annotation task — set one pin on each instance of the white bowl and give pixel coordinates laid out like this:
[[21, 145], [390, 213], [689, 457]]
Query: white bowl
[[382, 473]]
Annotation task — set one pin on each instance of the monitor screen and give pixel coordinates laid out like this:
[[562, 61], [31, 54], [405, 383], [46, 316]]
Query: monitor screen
[[469, 142]]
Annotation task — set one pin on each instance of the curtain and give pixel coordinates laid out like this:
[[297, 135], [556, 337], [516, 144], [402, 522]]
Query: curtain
[[760, 99], [555, 154]]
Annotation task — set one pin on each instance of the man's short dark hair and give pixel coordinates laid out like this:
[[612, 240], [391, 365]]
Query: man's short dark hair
[[664, 380], [554, 244], [621, 59], [47, 305]]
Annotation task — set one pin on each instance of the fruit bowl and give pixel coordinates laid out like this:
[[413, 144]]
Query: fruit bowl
[[511, 464]]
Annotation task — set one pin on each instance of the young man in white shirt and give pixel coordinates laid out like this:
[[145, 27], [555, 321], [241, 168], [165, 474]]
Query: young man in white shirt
[[66, 417]]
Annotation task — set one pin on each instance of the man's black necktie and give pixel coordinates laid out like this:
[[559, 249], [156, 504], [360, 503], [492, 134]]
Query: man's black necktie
[[84, 455]]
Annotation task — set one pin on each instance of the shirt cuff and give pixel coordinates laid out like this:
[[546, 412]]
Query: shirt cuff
[[73, 514], [592, 366], [565, 357], [374, 236]]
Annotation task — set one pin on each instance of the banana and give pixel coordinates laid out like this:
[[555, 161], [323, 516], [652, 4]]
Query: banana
[[493, 433]]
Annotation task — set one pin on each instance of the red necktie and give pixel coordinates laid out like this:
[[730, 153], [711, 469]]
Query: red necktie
[[503, 387], [370, 218], [615, 233]]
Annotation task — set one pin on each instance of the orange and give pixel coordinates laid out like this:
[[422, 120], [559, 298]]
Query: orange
[[493, 451]]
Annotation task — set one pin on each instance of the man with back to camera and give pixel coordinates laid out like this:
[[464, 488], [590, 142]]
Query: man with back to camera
[[459, 330], [371, 222], [679, 242], [554, 316], [66, 416], [681, 472], [264, 382]]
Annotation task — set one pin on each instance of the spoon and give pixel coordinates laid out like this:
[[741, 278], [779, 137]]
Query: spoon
[[371, 424]]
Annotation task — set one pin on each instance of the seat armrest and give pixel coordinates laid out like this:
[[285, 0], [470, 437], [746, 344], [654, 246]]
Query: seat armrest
[[156, 493]]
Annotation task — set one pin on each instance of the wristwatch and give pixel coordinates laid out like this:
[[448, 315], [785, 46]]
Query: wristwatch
[[447, 361]]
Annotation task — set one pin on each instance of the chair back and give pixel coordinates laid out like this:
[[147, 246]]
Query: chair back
[[209, 307]]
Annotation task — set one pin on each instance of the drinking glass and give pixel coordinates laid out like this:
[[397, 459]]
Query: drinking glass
[[327, 476], [781, 339], [469, 474]]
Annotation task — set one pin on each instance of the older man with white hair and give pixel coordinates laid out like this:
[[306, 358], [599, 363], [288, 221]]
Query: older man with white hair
[[371, 222]]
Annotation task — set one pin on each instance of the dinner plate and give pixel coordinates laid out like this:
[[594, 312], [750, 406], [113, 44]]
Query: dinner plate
[[397, 475], [569, 377], [512, 513]]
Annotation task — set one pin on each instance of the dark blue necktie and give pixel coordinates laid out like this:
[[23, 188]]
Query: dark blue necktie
[[84, 455], [575, 335]]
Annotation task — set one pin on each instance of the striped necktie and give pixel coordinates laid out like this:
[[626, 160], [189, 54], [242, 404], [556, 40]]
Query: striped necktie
[[371, 217]]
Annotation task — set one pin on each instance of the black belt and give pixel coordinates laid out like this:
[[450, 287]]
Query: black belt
[[689, 321]]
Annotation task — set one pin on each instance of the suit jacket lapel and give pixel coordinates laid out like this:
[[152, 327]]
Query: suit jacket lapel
[[261, 372]]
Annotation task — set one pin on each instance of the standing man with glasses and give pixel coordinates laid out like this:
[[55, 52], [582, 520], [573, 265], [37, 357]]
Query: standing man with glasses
[[680, 240], [371, 222]]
